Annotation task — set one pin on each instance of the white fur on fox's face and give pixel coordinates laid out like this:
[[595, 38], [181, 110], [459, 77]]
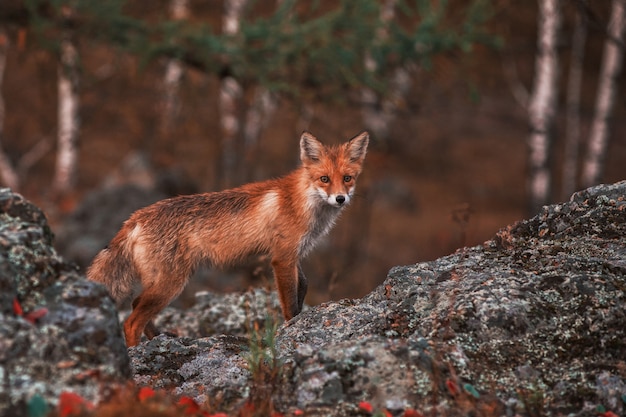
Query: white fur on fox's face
[[336, 200]]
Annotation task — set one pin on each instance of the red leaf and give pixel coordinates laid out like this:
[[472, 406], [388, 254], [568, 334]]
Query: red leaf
[[218, 415], [608, 414], [191, 407], [277, 414], [17, 307], [145, 393], [71, 404], [87, 373], [452, 387], [298, 412], [386, 413], [35, 315], [365, 406], [247, 409], [412, 413]]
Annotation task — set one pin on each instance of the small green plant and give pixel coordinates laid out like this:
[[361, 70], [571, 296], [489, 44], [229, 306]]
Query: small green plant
[[265, 367]]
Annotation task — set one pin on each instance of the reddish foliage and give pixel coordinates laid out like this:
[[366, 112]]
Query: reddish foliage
[[412, 413], [87, 373], [71, 404], [35, 315], [298, 412], [366, 406], [145, 393], [191, 407], [247, 409], [452, 387], [608, 414], [17, 307]]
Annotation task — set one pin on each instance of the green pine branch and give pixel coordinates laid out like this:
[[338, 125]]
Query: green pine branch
[[287, 51]]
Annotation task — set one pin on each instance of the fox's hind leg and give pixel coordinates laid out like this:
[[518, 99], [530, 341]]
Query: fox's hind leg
[[145, 308], [162, 282], [150, 330]]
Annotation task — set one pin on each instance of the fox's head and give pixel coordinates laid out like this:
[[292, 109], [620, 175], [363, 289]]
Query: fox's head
[[333, 170]]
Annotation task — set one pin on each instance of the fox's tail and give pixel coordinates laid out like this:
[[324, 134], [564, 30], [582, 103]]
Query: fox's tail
[[113, 268]]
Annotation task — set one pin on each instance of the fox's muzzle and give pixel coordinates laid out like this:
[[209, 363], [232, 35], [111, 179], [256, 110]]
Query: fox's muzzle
[[337, 200]]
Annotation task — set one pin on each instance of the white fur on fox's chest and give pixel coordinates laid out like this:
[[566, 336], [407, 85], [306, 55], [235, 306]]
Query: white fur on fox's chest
[[323, 217]]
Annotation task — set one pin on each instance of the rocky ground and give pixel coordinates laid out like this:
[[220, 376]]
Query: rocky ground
[[58, 331], [532, 322]]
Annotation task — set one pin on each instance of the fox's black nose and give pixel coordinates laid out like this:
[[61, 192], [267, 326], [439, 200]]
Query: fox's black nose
[[340, 199]]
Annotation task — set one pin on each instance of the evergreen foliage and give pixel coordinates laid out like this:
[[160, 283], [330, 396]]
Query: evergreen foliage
[[101, 21], [299, 48]]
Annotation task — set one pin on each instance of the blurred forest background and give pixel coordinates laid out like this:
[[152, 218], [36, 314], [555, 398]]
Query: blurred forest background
[[479, 112]]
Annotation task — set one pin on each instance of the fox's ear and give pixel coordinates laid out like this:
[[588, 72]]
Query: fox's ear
[[357, 147], [311, 149]]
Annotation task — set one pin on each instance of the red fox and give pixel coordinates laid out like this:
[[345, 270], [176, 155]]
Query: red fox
[[151, 258]]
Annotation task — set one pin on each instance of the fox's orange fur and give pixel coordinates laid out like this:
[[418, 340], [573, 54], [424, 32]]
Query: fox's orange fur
[[150, 259]]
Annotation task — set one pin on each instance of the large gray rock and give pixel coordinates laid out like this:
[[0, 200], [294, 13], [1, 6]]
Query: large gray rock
[[211, 370], [215, 314], [209, 360], [538, 314], [67, 337]]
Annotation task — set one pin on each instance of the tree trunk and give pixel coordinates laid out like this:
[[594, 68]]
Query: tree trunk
[[8, 173], [68, 119], [572, 137], [263, 106], [542, 106], [231, 93], [378, 113], [179, 10], [593, 166]]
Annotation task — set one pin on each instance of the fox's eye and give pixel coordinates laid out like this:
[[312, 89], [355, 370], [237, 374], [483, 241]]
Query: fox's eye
[[324, 178], [347, 178]]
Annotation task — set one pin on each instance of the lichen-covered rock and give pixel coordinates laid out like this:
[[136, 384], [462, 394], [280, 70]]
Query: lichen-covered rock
[[206, 368], [369, 368], [217, 314], [211, 370], [536, 316], [58, 332]]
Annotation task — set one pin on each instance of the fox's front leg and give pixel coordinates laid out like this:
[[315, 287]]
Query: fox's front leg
[[286, 275], [302, 287]]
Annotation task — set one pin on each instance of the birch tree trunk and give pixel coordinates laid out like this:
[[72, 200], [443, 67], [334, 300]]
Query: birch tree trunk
[[230, 100], [572, 136], [179, 10], [593, 166], [263, 106], [542, 106], [68, 118], [377, 113], [8, 173]]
